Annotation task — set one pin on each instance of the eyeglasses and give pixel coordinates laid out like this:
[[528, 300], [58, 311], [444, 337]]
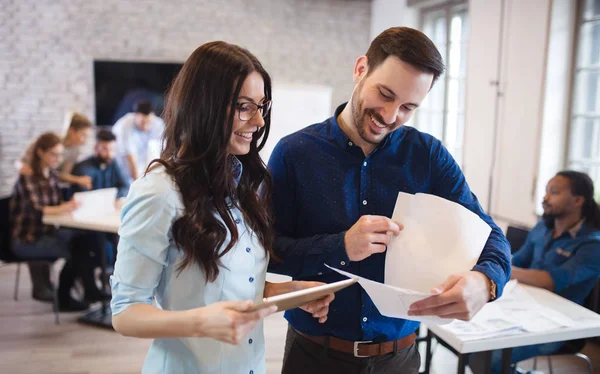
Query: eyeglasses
[[247, 110], [54, 154]]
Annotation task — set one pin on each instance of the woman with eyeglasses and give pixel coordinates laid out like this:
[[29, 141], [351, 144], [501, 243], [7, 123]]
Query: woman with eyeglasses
[[196, 230], [38, 194]]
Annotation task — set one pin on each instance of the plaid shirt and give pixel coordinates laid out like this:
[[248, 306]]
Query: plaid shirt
[[27, 203]]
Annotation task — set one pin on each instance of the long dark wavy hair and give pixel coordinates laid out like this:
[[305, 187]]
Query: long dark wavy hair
[[199, 114]]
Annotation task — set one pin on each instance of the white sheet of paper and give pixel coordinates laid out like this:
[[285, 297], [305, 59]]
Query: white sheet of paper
[[392, 301], [440, 238], [95, 203]]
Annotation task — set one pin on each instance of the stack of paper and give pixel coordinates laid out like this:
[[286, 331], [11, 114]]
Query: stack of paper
[[440, 238], [93, 204], [516, 311]]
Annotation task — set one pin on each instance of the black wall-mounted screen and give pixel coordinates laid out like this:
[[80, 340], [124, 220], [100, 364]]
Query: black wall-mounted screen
[[119, 84]]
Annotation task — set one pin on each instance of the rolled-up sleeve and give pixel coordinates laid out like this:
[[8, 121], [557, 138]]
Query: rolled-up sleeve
[[145, 233], [583, 265]]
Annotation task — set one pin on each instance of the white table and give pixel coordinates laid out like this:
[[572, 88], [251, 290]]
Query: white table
[[587, 326], [107, 223]]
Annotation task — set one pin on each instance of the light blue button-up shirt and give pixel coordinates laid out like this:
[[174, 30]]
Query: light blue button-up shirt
[[147, 270]]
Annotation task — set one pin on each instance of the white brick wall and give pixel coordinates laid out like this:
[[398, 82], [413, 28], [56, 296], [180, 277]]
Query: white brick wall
[[47, 48]]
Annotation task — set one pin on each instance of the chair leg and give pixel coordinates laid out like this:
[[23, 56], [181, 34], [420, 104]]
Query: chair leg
[[54, 286], [16, 294], [535, 363], [587, 360], [55, 305], [549, 363]]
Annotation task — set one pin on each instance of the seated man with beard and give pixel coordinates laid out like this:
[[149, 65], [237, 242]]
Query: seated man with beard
[[561, 253]]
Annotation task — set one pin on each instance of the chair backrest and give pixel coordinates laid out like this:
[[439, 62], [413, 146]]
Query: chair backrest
[[516, 236], [6, 254]]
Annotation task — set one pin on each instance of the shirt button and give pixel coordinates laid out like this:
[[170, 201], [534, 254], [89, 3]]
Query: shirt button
[[365, 163], [320, 273], [248, 249], [251, 371], [350, 144], [364, 319], [364, 202], [343, 263], [251, 279], [250, 341], [237, 221]]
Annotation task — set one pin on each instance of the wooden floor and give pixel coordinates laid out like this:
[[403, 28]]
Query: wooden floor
[[30, 342]]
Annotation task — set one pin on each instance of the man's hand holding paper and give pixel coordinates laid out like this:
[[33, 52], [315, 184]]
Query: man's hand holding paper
[[461, 296], [427, 270], [370, 234]]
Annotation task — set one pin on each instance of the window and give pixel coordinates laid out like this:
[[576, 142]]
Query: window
[[442, 113], [584, 127]]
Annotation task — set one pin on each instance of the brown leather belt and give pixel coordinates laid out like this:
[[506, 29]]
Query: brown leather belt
[[361, 348]]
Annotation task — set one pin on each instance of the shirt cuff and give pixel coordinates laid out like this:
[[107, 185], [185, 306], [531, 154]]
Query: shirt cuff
[[496, 274], [123, 296], [560, 277]]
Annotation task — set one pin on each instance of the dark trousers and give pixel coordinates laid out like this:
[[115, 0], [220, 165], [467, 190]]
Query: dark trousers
[[304, 356], [60, 244]]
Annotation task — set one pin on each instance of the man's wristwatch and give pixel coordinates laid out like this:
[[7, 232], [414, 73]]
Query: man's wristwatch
[[492, 290]]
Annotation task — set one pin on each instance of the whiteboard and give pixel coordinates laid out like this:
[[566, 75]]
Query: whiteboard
[[296, 107]]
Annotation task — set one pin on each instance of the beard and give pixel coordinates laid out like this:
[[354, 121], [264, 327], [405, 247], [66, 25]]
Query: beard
[[549, 219], [104, 160], [362, 119]]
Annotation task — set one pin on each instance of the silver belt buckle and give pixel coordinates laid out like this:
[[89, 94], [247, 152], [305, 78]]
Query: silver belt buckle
[[355, 351]]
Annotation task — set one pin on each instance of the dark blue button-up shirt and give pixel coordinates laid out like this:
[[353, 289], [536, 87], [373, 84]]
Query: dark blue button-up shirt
[[572, 259], [322, 185], [103, 175]]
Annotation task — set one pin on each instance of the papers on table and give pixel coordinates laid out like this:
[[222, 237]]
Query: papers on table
[[516, 311], [440, 238], [95, 203]]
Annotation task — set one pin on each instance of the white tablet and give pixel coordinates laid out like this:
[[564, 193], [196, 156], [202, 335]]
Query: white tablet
[[295, 299]]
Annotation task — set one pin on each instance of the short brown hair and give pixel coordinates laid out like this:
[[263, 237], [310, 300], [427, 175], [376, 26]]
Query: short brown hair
[[410, 46], [79, 122]]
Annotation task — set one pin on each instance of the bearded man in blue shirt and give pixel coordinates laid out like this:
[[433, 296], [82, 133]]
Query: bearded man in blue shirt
[[335, 184], [562, 252]]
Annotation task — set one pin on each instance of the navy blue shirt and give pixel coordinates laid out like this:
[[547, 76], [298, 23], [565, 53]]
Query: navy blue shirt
[[572, 259], [104, 175], [322, 185]]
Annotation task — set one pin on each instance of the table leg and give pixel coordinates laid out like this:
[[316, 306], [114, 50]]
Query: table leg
[[463, 360], [428, 353], [506, 360], [101, 317]]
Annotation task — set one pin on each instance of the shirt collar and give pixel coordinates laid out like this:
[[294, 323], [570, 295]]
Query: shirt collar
[[340, 136], [343, 139], [575, 229], [237, 167]]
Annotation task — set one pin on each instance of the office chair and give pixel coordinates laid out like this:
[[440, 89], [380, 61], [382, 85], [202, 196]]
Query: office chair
[[516, 236], [8, 256]]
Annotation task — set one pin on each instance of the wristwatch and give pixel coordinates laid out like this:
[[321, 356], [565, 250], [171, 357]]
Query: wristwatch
[[492, 290]]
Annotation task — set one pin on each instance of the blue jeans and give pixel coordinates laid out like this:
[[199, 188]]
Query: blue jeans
[[55, 245], [524, 353]]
